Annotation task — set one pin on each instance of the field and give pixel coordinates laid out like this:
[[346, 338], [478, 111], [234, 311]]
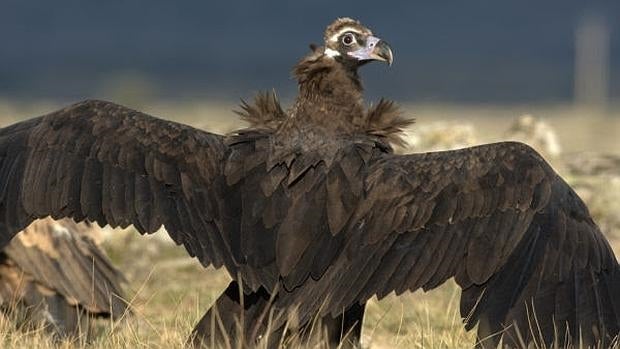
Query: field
[[169, 292]]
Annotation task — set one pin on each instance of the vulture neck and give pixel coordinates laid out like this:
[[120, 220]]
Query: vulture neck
[[330, 93]]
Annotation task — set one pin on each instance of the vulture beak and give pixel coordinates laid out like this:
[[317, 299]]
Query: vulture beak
[[375, 50]]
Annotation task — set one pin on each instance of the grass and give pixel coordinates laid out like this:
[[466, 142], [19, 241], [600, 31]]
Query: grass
[[169, 292], [579, 129]]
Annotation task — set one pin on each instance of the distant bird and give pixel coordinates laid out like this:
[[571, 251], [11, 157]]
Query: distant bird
[[535, 132], [309, 209], [439, 135], [593, 164], [53, 274]]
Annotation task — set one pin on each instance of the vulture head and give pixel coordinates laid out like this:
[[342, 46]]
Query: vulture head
[[351, 43]]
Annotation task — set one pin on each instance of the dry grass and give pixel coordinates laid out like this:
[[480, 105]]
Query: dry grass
[[169, 292], [579, 129]]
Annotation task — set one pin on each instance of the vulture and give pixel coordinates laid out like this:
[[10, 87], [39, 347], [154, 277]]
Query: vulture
[[312, 214], [53, 274]]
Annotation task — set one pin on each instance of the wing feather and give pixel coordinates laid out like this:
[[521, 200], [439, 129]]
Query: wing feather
[[103, 162], [495, 217], [56, 256]]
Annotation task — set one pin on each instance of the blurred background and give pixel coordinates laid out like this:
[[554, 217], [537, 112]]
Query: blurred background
[[466, 61], [468, 52]]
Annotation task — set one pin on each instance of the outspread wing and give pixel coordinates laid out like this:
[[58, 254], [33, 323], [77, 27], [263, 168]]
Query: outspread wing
[[517, 239], [63, 260], [106, 163]]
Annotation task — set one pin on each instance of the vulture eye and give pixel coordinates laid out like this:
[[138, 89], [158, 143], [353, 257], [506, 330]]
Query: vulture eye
[[348, 39]]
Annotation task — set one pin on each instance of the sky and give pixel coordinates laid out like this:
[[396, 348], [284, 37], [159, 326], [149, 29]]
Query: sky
[[470, 51]]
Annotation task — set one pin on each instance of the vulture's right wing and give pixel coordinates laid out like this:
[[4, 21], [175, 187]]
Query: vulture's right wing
[[57, 256], [497, 218], [106, 163]]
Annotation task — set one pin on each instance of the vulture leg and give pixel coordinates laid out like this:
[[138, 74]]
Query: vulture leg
[[67, 321], [345, 328], [235, 322], [229, 315]]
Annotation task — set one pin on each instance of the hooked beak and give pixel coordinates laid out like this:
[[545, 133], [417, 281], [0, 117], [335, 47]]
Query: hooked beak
[[376, 50]]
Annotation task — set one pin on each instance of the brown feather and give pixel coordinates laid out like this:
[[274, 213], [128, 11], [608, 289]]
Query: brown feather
[[264, 113], [385, 120], [56, 265]]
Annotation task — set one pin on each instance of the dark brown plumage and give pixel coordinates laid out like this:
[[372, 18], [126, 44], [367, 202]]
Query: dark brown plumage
[[309, 209], [53, 274]]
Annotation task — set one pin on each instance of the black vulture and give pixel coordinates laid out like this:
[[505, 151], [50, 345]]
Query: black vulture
[[311, 212], [54, 274]]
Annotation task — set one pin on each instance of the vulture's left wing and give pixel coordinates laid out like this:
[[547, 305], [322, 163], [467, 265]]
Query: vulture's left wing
[[515, 236], [106, 163]]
